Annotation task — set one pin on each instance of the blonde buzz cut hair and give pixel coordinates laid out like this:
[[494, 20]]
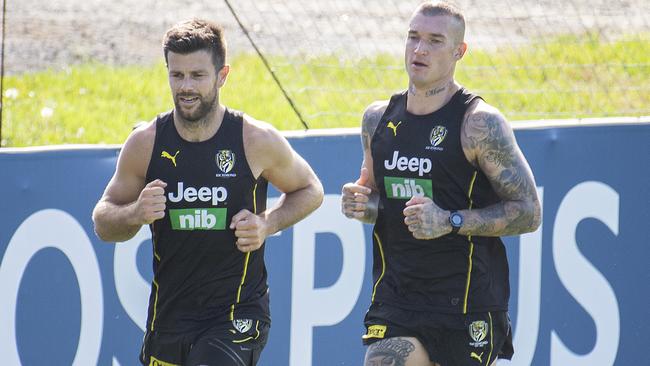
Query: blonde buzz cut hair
[[433, 8]]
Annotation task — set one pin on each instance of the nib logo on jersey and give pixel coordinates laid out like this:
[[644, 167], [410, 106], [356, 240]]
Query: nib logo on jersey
[[407, 187], [208, 218]]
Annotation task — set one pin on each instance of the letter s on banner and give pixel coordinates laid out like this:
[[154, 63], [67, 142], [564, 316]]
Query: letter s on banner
[[56, 229], [526, 332], [574, 270], [132, 290]]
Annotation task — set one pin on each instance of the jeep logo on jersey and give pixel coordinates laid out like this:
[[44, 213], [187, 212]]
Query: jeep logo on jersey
[[198, 218], [203, 194], [225, 160], [402, 163], [438, 135], [405, 188]]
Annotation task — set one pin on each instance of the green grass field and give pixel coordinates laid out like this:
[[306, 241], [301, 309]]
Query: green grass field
[[94, 103]]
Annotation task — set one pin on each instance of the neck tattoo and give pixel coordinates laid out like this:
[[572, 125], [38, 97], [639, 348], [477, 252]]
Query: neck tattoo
[[428, 93], [434, 91]]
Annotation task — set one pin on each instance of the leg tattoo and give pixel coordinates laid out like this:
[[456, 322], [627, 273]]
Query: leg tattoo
[[389, 352]]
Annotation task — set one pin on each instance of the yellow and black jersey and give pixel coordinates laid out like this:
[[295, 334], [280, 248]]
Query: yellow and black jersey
[[199, 274], [422, 155]]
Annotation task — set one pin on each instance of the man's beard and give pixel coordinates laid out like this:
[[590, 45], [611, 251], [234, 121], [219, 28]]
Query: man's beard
[[197, 115]]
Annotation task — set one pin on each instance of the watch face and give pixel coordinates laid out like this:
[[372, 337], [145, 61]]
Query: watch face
[[456, 219]]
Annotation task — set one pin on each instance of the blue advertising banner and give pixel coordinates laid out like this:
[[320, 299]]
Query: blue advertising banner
[[580, 284]]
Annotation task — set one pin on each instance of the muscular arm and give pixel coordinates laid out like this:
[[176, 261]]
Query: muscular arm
[[489, 143], [369, 122], [302, 192], [118, 216], [360, 199]]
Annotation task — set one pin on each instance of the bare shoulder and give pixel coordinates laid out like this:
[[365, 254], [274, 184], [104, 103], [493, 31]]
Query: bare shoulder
[[484, 126], [259, 135], [480, 115], [269, 155], [264, 144], [137, 149], [378, 106], [144, 133], [371, 117], [373, 113], [132, 164]]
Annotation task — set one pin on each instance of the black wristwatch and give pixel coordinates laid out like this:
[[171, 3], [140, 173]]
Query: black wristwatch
[[456, 220]]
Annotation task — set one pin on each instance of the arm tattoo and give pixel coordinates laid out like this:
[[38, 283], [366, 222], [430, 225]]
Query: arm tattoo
[[369, 124], [508, 173], [389, 352]]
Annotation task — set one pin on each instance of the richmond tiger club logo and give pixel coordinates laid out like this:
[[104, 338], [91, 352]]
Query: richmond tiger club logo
[[242, 325], [478, 330], [225, 160], [436, 137]]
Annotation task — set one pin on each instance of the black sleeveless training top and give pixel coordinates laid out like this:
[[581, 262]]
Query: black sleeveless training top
[[199, 274], [422, 155]]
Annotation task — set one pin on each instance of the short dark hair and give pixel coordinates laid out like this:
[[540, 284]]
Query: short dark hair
[[433, 8], [195, 35]]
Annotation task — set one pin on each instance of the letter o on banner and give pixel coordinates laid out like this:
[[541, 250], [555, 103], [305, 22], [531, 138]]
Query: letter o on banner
[[52, 228]]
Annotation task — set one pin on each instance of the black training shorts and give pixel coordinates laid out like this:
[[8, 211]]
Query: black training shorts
[[449, 339], [236, 343]]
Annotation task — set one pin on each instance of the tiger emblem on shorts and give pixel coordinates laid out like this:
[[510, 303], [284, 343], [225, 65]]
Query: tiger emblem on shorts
[[225, 160], [242, 325], [438, 135], [478, 330]]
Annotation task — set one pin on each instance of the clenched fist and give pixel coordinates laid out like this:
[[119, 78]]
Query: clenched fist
[[425, 219], [150, 205], [357, 200], [250, 230]]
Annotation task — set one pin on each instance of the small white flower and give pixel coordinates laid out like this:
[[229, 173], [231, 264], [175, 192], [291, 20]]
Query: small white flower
[[11, 93], [80, 132], [47, 112]]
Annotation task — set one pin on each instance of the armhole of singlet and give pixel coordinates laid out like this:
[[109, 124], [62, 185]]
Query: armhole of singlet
[[237, 115], [472, 98], [391, 105], [156, 256], [147, 176]]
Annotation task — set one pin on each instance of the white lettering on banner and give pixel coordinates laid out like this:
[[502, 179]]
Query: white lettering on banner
[[132, 289], [526, 330], [311, 307], [53, 229], [586, 200]]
